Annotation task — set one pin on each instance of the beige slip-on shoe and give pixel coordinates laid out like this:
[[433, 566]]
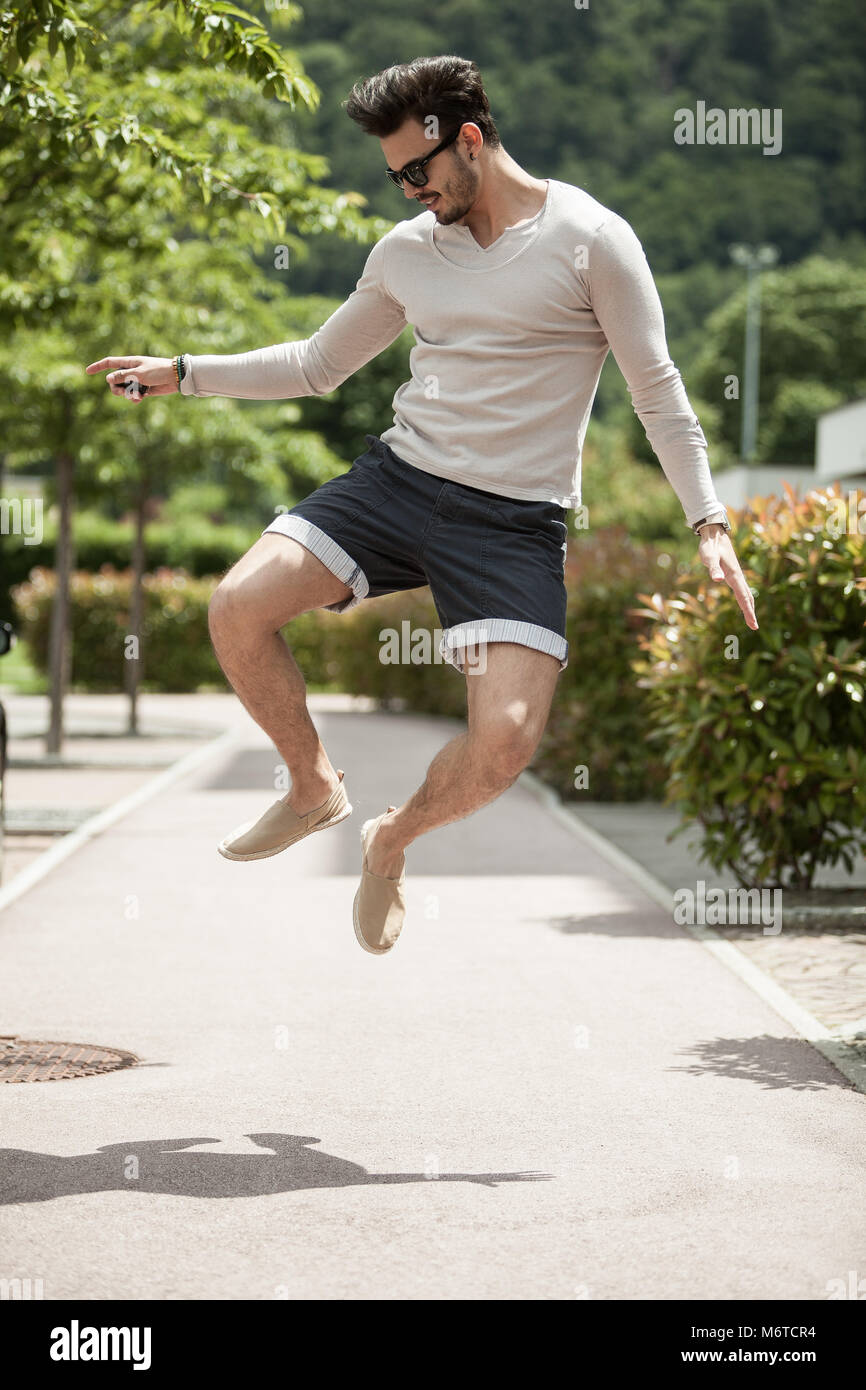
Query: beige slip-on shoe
[[280, 827], [380, 905]]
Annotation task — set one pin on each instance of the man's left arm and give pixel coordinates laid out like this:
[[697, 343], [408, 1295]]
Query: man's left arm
[[627, 305]]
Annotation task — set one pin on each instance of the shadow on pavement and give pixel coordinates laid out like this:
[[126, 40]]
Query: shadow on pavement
[[642, 922], [774, 1063], [155, 1165]]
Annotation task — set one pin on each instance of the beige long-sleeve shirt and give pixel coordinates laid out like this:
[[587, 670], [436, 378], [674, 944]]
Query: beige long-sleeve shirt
[[509, 346]]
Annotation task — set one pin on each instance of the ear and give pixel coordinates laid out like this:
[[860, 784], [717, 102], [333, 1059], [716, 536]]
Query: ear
[[471, 139]]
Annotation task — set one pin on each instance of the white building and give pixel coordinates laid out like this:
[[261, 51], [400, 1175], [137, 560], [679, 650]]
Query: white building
[[840, 454], [840, 457]]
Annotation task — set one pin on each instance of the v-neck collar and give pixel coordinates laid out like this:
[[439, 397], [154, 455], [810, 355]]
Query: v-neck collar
[[456, 244]]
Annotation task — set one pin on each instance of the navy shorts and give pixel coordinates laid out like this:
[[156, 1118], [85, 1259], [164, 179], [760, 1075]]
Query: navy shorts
[[494, 564]]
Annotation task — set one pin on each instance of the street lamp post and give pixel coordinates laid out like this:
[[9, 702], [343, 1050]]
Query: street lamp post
[[753, 259]]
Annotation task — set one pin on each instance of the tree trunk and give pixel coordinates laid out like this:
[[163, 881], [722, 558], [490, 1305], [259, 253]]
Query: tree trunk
[[60, 649], [134, 653]]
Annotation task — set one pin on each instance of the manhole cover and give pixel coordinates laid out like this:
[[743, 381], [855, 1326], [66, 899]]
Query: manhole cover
[[22, 1060]]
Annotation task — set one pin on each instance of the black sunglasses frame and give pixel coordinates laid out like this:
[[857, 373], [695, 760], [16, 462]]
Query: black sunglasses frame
[[419, 179]]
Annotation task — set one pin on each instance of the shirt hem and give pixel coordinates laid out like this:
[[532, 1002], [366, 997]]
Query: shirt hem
[[519, 494]]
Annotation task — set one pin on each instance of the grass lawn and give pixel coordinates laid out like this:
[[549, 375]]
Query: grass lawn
[[18, 675]]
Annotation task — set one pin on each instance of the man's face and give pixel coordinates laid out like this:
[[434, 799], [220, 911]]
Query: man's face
[[452, 180]]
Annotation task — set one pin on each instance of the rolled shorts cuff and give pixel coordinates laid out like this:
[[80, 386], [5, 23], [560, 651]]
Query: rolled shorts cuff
[[314, 539], [483, 630]]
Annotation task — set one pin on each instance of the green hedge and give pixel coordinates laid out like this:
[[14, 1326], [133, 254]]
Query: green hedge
[[176, 646], [761, 737], [337, 651], [200, 547], [599, 713], [764, 733]]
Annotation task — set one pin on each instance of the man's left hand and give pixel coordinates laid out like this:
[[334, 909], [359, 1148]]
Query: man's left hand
[[718, 555]]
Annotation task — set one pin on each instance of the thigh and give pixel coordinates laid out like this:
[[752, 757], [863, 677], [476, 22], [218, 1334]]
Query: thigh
[[277, 579], [509, 683], [365, 524]]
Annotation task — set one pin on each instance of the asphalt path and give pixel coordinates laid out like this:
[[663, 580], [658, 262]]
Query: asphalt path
[[548, 1090]]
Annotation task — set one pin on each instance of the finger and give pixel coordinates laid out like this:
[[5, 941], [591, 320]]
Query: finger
[[743, 595], [110, 364], [730, 573], [747, 607]]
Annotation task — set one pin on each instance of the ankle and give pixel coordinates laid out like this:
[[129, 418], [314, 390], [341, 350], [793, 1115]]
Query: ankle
[[310, 791], [391, 832]]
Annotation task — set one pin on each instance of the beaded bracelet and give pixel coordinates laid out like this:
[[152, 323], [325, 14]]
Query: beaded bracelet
[[179, 368]]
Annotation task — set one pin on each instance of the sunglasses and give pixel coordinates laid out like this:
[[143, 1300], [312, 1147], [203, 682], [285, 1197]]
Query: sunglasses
[[414, 171]]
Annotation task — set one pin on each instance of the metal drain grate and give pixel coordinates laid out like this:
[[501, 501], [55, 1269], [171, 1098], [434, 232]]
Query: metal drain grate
[[22, 1060]]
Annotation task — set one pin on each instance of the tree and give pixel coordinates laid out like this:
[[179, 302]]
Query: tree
[[110, 161], [48, 406], [813, 355], [589, 96]]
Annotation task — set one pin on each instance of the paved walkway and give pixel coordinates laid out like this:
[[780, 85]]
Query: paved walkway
[[99, 763], [820, 959], [548, 1090]]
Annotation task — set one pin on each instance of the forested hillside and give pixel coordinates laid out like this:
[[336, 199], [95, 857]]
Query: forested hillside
[[589, 96]]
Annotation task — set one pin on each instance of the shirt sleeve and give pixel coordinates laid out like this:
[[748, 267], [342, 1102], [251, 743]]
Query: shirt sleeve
[[368, 321], [627, 305]]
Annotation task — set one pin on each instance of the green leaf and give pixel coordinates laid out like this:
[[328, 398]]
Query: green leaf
[[23, 43]]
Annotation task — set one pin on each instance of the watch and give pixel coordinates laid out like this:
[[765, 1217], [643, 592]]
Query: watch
[[721, 518]]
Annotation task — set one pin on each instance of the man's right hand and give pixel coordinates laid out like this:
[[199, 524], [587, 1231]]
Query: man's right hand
[[156, 373]]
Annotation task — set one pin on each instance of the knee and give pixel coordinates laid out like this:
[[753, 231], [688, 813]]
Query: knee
[[245, 610], [508, 742], [226, 610], [236, 612]]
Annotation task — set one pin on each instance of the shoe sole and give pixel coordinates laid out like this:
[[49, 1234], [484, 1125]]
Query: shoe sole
[[296, 840], [365, 945]]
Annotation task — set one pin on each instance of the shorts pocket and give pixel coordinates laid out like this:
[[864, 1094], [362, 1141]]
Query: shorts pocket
[[546, 517], [367, 485]]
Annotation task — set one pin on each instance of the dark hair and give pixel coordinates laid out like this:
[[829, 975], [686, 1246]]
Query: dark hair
[[447, 87]]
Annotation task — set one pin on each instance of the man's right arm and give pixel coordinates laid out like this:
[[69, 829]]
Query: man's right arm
[[362, 327]]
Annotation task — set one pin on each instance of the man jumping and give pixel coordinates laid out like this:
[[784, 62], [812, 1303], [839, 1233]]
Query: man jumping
[[516, 289]]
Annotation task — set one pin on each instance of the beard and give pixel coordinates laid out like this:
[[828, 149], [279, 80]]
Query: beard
[[457, 195]]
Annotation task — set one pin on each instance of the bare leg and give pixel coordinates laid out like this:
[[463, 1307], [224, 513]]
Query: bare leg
[[274, 582], [508, 705]]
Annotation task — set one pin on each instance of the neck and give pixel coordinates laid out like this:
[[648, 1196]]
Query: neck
[[508, 195]]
